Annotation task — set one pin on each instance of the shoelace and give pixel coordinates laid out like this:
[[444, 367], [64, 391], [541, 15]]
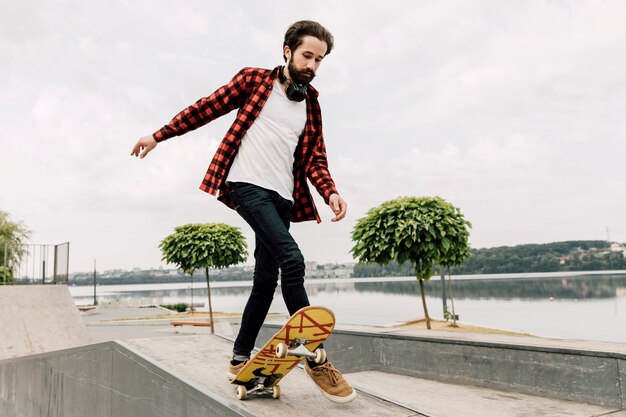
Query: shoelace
[[328, 369]]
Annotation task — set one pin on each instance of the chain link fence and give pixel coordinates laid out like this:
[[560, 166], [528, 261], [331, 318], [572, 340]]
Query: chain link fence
[[34, 264]]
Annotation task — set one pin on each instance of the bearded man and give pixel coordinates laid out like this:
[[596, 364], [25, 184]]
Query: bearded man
[[260, 169]]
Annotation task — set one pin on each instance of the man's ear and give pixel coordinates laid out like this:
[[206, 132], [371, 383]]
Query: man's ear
[[287, 52]]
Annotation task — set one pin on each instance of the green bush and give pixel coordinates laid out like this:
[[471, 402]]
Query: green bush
[[180, 307], [5, 275]]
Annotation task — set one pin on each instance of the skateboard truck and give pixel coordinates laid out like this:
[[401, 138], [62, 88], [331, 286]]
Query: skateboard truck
[[297, 348], [259, 389]]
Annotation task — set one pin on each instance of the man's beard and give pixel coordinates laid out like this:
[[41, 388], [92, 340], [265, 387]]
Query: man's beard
[[298, 76]]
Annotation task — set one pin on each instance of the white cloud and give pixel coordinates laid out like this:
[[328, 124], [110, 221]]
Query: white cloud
[[513, 112]]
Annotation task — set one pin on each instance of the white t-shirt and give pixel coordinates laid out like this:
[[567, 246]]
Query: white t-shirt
[[266, 153]]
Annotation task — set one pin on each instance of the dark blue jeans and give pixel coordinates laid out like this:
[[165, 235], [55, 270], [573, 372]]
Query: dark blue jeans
[[268, 214]]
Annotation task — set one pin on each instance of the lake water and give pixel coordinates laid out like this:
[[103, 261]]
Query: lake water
[[588, 306]]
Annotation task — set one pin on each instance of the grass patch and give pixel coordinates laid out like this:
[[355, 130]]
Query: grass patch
[[180, 307]]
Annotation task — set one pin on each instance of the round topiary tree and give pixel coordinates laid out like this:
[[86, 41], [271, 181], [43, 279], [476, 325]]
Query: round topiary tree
[[423, 230], [210, 245]]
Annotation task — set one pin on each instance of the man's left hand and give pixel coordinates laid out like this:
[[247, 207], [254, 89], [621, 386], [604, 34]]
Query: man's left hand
[[338, 206]]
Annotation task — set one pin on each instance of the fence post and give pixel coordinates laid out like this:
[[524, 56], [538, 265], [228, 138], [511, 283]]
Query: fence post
[[67, 265], [95, 299], [54, 269]]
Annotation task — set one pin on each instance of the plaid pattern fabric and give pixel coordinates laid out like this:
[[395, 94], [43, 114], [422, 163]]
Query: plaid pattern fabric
[[248, 91]]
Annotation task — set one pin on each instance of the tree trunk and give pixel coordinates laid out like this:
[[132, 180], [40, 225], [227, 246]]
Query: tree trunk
[[452, 300], [208, 286], [191, 281], [424, 303]]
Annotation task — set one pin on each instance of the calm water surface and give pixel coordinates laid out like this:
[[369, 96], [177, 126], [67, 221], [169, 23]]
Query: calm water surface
[[587, 306]]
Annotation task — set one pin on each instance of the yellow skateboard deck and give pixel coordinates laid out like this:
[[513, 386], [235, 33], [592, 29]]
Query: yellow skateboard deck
[[307, 328]]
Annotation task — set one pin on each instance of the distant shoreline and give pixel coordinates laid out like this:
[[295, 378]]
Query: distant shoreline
[[184, 281]]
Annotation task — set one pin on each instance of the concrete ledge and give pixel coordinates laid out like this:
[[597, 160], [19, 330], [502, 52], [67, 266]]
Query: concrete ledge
[[593, 377], [433, 398], [101, 380]]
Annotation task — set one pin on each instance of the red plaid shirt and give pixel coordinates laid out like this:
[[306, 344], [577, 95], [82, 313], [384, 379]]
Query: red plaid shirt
[[248, 91]]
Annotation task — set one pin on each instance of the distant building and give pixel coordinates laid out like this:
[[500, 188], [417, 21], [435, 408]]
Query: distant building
[[344, 271], [310, 268], [313, 270], [329, 270], [618, 247]]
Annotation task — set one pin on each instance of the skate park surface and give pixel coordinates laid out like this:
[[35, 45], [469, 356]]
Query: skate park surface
[[125, 361], [37, 319]]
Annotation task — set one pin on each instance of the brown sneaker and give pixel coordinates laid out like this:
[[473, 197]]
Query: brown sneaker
[[233, 370], [330, 381]]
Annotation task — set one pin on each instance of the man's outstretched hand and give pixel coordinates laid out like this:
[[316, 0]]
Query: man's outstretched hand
[[143, 146], [338, 206]]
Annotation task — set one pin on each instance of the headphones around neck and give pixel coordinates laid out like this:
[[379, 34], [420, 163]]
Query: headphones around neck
[[295, 92]]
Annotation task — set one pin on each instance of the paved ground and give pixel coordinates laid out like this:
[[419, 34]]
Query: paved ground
[[115, 322], [111, 322], [202, 358]]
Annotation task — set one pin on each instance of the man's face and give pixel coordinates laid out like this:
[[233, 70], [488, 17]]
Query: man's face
[[304, 61]]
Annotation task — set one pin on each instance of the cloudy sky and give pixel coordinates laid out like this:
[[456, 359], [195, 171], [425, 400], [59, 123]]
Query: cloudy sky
[[512, 111]]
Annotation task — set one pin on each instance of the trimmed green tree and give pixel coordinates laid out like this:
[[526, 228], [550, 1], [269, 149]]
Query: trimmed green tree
[[422, 230], [209, 245], [13, 237]]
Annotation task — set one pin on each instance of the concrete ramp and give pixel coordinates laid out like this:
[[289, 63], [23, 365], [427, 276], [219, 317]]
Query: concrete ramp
[[102, 380], [202, 361], [37, 319], [157, 377]]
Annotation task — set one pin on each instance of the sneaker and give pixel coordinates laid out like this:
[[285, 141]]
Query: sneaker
[[233, 370], [330, 381]]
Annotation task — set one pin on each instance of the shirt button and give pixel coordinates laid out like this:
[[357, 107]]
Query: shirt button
[[269, 88], [218, 175], [258, 105]]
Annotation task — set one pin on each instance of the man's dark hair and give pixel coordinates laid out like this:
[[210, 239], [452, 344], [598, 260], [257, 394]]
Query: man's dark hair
[[295, 33]]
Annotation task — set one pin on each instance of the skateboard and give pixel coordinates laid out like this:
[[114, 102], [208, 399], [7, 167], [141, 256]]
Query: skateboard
[[299, 338]]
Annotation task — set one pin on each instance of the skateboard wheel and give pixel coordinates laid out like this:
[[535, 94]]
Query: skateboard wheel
[[281, 350], [320, 355], [242, 392], [276, 392]]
